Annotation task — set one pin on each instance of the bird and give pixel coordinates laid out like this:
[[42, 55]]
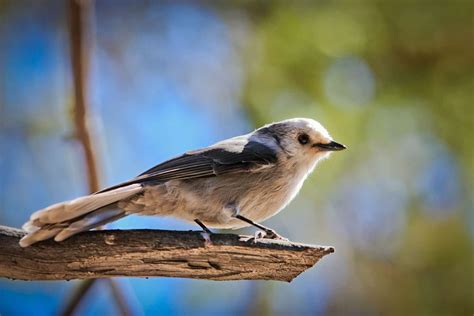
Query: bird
[[237, 182]]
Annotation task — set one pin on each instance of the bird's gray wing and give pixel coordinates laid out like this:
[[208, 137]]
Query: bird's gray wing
[[235, 155]]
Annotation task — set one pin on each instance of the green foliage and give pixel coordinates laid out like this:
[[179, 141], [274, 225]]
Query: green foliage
[[372, 72]]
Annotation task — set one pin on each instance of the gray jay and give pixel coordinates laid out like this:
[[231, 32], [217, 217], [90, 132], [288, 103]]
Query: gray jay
[[234, 183]]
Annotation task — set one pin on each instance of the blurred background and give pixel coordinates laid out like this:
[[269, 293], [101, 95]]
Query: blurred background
[[393, 80]]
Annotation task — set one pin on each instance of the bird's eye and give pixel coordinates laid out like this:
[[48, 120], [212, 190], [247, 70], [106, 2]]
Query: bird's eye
[[303, 139]]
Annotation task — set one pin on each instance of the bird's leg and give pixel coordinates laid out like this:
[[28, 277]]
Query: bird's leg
[[267, 232], [206, 234], [204, 228]]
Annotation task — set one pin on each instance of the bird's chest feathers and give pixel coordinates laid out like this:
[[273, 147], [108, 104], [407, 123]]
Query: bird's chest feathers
[[276, 193]]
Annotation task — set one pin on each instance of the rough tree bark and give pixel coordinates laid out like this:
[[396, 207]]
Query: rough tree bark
[[153, 253]]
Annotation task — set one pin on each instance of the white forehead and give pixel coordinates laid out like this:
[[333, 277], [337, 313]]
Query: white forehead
[[306, 123]]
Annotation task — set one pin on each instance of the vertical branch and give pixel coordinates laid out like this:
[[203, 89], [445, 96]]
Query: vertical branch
[[79, 14], [79, 10], [76, 297]]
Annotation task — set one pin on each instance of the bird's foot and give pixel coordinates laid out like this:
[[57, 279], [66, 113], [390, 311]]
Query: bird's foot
[[269, 234], [206, 232], [207, 237]]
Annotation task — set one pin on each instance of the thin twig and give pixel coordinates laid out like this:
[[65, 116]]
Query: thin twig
[[119, 297], [76, 297], [78, 12], [84, 288]]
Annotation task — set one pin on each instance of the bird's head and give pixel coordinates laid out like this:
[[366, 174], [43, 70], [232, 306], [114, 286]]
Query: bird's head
[[302, 139]]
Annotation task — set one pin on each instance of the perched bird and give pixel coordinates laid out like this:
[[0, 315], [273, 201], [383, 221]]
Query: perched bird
[[234, 183]]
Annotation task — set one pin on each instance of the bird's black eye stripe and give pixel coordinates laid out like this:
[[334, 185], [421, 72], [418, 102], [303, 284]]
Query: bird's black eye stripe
[[303, 139]]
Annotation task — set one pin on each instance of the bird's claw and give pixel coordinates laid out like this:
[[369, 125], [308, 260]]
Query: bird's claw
[[269, 234], [207, 237]]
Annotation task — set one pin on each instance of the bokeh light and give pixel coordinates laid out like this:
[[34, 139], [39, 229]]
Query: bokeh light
[[393, 81]]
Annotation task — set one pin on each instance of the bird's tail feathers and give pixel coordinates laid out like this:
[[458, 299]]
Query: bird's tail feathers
[[91, 220], [63, 220]]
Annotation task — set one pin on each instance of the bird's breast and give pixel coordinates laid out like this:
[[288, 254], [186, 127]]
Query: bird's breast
[[272, 195]]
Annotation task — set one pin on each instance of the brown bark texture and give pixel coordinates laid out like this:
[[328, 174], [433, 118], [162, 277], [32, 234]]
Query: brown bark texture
[[155, 253]]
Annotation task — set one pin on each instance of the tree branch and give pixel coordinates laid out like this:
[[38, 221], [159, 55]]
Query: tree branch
[[79, 10], [76, 297], [153, 253]]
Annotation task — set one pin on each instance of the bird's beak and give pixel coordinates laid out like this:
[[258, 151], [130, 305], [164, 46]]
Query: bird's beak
[[331, 146]]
